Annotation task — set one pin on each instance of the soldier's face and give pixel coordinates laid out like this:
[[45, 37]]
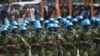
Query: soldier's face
[[24, 32], [52, 29], [87, 27], [70, 28], [15, 31], [39, 30], [5, 33]]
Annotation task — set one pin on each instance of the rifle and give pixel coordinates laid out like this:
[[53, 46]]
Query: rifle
[[29, 50]]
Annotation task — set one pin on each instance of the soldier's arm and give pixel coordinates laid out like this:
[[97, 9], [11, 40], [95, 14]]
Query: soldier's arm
[[60, 37], [25, 42]]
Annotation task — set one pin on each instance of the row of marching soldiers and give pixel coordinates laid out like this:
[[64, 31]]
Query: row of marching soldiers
[[53, 37]]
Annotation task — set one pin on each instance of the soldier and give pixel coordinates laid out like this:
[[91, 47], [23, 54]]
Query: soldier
[[3, 41], [59, 40], [96, 39], [13, 43], [51, 40], [37, 40], [24, 34], [69, 40], [86, 37]]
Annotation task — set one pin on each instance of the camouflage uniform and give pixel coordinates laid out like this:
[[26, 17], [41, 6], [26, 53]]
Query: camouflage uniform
[[86, 39], [3, 42], [36, 43], [13, 45], [97, 41], [70, 42]]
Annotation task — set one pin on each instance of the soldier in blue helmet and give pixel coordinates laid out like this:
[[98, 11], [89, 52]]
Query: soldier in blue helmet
[[50, 40], [3, 41], [14, 42], [59, 40], [69, 44], [37, 40], [24, 34], [86, 37], [96, 39]]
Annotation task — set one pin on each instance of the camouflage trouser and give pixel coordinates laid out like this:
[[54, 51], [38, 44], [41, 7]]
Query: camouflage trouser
[[3, 53], [97, 51], [87, 51], [51, 50], [37, 50], [70, 50], [13, 51], [24, 51]]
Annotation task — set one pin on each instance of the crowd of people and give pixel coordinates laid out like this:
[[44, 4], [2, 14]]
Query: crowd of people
[[49, 36]]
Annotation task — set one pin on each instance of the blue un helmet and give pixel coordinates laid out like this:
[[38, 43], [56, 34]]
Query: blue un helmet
[[51, 20], [5, 26], [32, 21], [46, 23], [50, 25], [56, 22], [59, 18], [14, 23], [6, 22], [37, 22], [69, 24], [68, 17], [22, 28], [56, 27], [3, 30], [24, 24], [14, 28], [41, 20], [97, 20], [51, 28], [86, 22], [63, 20], [26, 21], [93, 19], [74, 20], [66, 22], [38, 26], [80, 18]]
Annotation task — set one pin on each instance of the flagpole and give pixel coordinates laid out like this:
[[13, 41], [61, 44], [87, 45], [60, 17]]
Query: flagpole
[[70, 7], [92, 8], [42, 8], [85, 3], [57, 7]]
